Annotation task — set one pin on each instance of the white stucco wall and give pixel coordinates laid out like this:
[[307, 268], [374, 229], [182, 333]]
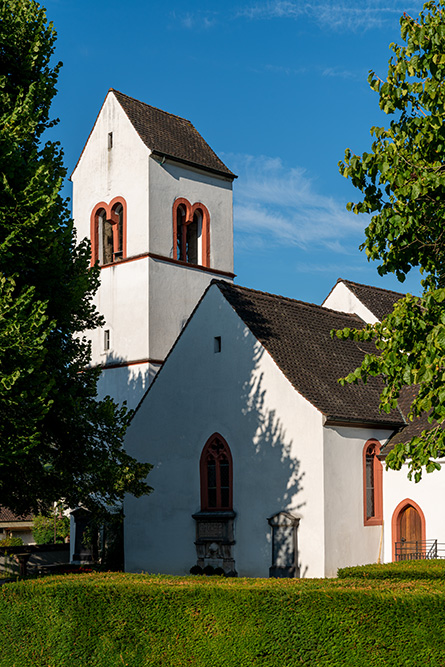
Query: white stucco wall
[[123, 301], [126, 383], [342, 299], [174, 292], [348, 540], [429, 494], [275, 437], [102, 174]]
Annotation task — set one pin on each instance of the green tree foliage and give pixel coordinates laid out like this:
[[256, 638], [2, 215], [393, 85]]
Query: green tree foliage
[[11, 542], [57, 440], [52, 527], [402, 180]]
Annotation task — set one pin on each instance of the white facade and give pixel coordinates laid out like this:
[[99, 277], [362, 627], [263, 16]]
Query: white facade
[[348, 540], [428, 496], [268, 457], [284, 459], [341, 298], [144, 298]]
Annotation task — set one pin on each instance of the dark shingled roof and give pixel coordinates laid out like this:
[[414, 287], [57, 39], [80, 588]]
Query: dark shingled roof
[[171, 136], [7, 516], [376, 299], [297, 336]]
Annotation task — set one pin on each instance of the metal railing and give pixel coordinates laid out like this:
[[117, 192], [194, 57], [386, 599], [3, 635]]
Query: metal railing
[[420, 550]]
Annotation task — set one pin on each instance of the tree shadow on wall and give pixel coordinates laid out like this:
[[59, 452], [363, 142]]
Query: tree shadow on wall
[[124, 382], [273, 477], [245, 410]]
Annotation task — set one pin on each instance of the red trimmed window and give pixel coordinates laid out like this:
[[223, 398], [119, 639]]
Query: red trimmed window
[[109, 232], [216, 475], [372, 484], [191, 233]]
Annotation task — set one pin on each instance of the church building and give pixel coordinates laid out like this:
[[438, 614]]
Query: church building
[[264, 465]]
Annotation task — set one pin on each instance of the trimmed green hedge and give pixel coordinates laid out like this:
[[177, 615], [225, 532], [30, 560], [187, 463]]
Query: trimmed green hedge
[[406, 569], [108, 620]]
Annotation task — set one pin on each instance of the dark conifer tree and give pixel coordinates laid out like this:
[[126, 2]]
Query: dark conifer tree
[[56, 440]]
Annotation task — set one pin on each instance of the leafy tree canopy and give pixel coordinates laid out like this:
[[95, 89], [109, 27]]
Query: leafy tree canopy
[[51, 528], [57, 440], [402, 180]]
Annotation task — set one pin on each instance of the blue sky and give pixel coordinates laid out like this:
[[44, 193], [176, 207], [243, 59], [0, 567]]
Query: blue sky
[[277, 88]]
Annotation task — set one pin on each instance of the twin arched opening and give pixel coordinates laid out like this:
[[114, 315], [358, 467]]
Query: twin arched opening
[[109, 232], [191, 233]]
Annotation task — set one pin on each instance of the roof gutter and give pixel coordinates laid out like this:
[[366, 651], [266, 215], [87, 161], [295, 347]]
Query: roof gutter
[[361, 423]]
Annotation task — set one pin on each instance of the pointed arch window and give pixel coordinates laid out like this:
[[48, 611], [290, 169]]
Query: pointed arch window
[[109, 232], [372, 484], [191, 233], [216, 475]]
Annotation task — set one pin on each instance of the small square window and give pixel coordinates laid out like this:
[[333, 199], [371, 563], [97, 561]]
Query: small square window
[[217, 344], [110, 140]]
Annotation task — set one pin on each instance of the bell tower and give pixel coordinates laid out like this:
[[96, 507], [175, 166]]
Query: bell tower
[[156, 203]]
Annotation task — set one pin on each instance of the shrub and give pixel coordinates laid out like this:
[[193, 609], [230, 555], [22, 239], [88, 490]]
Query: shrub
[[11, 542], [103, 620], [403, 570], [43, 528]]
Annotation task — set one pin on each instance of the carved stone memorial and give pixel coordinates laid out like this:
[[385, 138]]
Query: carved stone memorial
[[214, 541], [284, 545]]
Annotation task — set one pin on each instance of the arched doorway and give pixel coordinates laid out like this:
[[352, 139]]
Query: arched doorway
[[408, 531]]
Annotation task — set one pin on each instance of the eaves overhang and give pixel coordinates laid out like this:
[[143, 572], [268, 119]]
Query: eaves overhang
[[360, 422], [195, 165]]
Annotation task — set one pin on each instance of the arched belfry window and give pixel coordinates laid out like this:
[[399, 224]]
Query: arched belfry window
[[216, 475], [191, 233], [108, 232], [372, 484]]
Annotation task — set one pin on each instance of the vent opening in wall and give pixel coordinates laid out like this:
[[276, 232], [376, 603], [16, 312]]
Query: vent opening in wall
[[107, 344], [217, 344]]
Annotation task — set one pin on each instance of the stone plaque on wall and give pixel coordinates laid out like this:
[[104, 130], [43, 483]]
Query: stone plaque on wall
[[214, 541]]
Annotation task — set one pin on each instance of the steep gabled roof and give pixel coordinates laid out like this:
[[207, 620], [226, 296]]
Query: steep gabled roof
[[376, 299], [297, 336], [171, 136]]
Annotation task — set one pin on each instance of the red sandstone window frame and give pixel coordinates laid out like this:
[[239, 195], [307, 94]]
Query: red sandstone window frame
[[374, 518], [221, 450], [110, 216], [189, 213]]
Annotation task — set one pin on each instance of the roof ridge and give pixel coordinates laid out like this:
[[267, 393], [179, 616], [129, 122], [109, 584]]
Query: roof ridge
[[285, 298], [167, 113], [382, 289]]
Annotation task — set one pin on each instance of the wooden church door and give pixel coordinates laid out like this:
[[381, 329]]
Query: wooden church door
[[410, 533]]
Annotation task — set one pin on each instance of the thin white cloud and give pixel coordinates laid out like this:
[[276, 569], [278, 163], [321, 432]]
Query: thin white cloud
[[336, 72], [196, 20], [351, 15], [279, 206], [347, 14]]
